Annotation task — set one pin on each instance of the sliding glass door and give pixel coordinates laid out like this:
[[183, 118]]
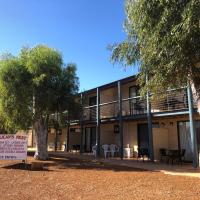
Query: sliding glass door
[[185, 138]]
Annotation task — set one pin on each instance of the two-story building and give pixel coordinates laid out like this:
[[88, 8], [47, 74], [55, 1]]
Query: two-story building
[[115, 114]]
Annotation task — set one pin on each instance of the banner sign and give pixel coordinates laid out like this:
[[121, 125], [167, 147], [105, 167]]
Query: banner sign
[[13, 147]]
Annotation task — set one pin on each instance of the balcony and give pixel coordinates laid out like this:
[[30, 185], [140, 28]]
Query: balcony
[[172, 101], [89, 113]]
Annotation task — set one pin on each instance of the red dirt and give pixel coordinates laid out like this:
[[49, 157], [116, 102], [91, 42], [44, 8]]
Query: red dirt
[[70, 178]]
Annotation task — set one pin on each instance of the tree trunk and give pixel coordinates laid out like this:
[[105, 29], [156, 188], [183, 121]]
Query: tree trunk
[[41, 133], [195, 85]]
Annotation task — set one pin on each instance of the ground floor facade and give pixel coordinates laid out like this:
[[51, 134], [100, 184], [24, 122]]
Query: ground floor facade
[[168, 133]]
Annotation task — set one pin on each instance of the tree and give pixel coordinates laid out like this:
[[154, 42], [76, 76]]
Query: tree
[[164, 36], [64, 87], [33, 86]]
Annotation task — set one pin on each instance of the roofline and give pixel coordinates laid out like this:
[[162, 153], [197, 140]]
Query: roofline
[[111, 84]]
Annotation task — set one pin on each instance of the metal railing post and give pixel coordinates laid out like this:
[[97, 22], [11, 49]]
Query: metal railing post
[[195, 159], [120, 121], [150, 129], [81, 125], [98, 122]]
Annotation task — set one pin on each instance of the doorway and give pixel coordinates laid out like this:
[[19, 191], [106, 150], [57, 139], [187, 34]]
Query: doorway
[[89, 138], [185, 138], [143, 139]]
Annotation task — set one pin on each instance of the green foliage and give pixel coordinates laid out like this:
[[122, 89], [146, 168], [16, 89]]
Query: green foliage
[[165, 37], [15, 95], [33, 85]]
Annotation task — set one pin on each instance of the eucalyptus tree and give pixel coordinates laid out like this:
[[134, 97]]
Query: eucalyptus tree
[[34, 85], [164, 36]]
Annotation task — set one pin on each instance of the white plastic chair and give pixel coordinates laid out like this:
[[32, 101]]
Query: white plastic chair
[[94, 150], [106, 149], [113, 149]]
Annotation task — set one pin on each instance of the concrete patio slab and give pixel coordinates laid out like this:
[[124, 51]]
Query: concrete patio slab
[[179, 170]]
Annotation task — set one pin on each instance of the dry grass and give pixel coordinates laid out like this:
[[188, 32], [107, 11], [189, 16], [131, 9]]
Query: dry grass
[[71, 178]]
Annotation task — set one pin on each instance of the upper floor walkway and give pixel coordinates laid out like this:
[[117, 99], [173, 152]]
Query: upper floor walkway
[[106, 102]]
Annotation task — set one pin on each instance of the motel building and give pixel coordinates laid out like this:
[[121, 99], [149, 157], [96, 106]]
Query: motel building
[[115, 114]]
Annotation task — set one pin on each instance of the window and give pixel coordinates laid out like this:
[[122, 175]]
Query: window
[[116, 128], [75, 130], [133, 102]]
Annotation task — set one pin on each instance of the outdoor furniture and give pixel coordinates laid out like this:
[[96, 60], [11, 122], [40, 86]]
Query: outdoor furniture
[[172, 156], [76, 147], [106, 149], [127, 152], [176, 156], [94, 150], [182, 154], [163, 154], [142, 153], [114, 149]]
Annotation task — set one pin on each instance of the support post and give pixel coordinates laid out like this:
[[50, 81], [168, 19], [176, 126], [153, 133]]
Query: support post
[[68, 129], [81, 125], [150, 129], [121, 137], [195, 159], [98, 122]]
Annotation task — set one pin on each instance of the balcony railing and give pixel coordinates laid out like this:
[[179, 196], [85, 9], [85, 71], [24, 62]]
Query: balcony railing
[[109, 109], [133, 106], [89, 113], [173, 100]]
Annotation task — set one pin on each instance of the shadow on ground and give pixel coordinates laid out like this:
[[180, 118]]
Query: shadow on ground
[[62, 162], [57, 163], [24, 166]]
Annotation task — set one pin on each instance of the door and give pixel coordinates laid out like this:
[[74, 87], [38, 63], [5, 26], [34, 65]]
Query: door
[[143, 139], [90, 138], [132, 102], [93, 136], [185, 138], [87, 139], [92, 102]]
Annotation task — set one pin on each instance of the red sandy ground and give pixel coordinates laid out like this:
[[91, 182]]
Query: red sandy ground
[[72, 178]]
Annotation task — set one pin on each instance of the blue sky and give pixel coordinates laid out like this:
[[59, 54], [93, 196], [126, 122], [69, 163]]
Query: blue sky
[[80, 29]]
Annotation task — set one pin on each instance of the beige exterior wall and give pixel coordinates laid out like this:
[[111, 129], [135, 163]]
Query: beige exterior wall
[[130, 136], [165, 136], [61, 139], [51, 139], [125, 88], [107, 134], [74, 138], [108, 95], [160, 140], [110, 110], [31, 138]]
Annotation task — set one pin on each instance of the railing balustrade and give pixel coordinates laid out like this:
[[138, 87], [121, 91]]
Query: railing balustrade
[[172, 100]]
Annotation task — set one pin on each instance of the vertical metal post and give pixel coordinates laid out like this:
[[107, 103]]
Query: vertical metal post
[[195, 160], [98, 122], [81, 125], [149, 119], [68, 128], [121, 137], [150, 130]]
